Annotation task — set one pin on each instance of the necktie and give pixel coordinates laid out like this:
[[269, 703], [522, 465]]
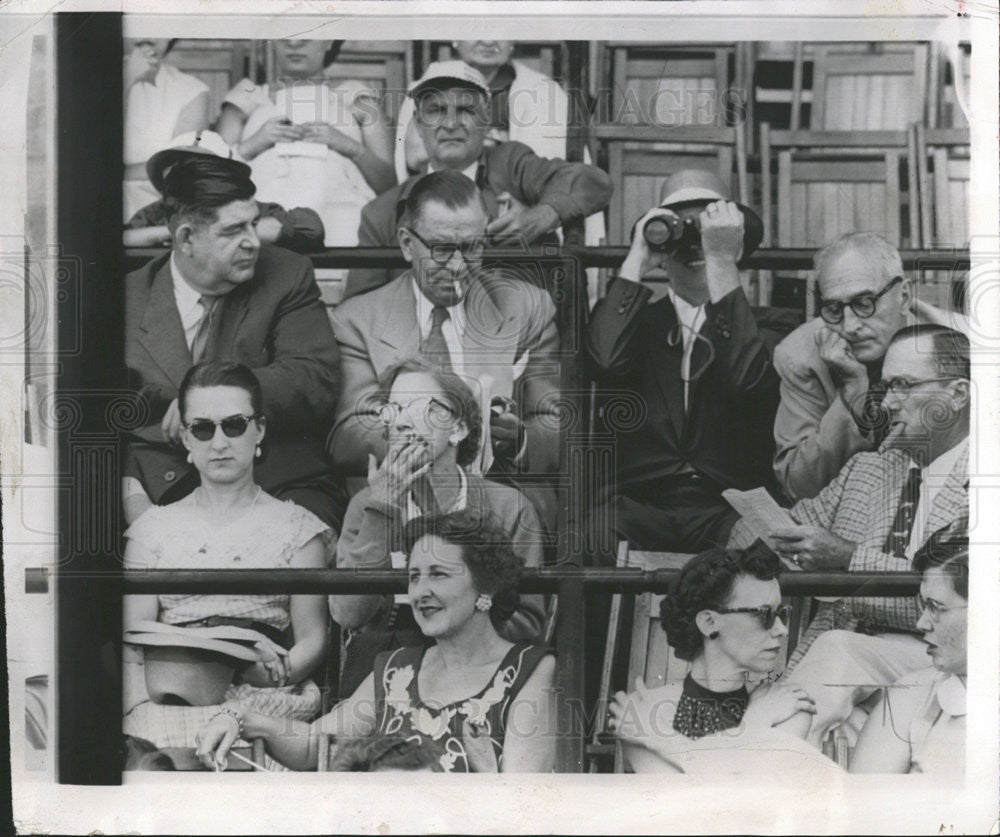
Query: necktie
[[435, 347], [899, 536], [210, 304]]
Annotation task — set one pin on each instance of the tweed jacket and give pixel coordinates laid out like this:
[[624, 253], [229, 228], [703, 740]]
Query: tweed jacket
[[860, 505], [276, 324]]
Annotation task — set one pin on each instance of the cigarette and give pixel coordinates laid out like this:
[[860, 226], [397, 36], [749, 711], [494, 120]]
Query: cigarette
[[458, 288], [245, 760]]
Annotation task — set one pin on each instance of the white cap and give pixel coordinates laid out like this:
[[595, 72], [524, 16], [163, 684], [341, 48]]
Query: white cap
[[443, 71]]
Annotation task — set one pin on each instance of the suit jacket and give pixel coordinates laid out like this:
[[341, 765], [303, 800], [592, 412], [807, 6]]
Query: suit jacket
[[726, 432], [507, 321], [276, 324], [814, 432], [372, 530], [860, 505], [573, 190]]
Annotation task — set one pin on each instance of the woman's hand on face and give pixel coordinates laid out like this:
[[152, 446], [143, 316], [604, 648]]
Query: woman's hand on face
[[214, 740], [272, 670], [775, 703], [400, 468], [335, 140]]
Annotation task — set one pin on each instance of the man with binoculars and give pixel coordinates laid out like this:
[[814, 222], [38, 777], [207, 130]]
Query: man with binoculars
[[704, 388]]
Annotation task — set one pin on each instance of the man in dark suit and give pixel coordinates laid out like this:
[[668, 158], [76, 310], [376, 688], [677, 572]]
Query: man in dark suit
[[527, 197], [219, 294], [696, 360]]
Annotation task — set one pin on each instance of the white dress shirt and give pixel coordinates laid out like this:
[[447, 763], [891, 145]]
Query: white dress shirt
[[188, 302], [453, 328], [932, 479], [469, 171], [691, 318]]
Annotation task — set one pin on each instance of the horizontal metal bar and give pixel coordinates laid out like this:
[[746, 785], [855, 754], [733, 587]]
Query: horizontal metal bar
[[607, 580], [770, 258]]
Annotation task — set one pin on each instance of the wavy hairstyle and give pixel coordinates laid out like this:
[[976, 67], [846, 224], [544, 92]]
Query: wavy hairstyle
[[486, 551], [706, 583]]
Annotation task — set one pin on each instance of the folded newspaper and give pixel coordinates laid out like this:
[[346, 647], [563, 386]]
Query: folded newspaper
[[761, 512]]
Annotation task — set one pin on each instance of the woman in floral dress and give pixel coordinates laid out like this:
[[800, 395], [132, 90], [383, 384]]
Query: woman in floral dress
[[460, 694]]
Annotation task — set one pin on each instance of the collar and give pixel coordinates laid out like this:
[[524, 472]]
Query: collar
[[951, 695], [424, 308], [945, 463], [471, 171], [686, 312], [503, 79], [461, 498], [186, 297]]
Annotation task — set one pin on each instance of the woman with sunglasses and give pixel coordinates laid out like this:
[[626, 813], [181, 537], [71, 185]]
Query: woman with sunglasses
[[481, 703], [724, 615], [228, 522], [432, 425]]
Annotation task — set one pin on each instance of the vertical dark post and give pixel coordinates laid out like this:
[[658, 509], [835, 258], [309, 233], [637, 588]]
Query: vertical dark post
[[571, 299], [576, 138], [87, 268]]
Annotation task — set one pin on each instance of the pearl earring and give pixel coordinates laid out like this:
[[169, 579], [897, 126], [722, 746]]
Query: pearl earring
[[257, 453], [484, 602], [190, 459]]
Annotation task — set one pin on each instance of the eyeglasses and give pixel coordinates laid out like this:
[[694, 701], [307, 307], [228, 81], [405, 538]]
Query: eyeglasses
[[934, 609], [233, 426], [427, 407], [863, 305], [443, 251], [766, 613], [902, 386]]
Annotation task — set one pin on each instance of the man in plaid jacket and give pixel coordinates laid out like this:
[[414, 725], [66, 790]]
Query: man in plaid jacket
[[878, 511]]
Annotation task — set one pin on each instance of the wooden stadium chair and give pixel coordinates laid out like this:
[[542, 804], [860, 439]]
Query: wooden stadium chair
[[657, 84], [883, 87], [943, 165], [824, 190], [218, 63], [950, 76], [546, 57]]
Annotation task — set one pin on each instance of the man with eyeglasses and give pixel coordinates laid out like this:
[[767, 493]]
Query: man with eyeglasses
[[221, 294], [497, 332], [527, 197], [874, 517], [829, 408], [695, 366]]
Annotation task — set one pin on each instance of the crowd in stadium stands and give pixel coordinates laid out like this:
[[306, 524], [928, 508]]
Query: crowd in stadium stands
[[417, 424]]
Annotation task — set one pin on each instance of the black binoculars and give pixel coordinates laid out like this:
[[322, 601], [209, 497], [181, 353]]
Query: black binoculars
[[668, 233]]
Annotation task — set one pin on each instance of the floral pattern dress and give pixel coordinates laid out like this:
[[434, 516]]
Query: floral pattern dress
[[400, 710]]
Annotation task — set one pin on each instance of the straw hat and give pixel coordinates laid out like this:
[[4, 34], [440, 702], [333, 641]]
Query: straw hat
[[698, 187], [444, 74], [192, 665]]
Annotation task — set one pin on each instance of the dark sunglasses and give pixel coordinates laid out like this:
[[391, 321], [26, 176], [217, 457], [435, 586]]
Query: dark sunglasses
[[233, 426], [863, 305], [765, 613]]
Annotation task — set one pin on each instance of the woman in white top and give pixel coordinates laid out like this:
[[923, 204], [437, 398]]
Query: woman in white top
[[920, 725], [311, 142], [161, 102]]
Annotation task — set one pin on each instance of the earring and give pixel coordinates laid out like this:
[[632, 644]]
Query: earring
[[484, 602], [257, 453], [190, 459], [713, 635]]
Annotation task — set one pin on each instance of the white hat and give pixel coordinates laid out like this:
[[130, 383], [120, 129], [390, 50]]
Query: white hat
[[439, 73]]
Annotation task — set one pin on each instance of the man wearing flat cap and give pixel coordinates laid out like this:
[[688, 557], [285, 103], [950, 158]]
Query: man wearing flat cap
[[221, 294], [527, 197], [694, 362]]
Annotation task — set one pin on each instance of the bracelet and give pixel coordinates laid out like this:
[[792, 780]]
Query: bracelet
[[232, 713]]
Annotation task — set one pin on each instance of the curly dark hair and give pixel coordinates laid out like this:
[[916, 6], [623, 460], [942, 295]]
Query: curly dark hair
[[947, 549], [486, 551], [705, 583]]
